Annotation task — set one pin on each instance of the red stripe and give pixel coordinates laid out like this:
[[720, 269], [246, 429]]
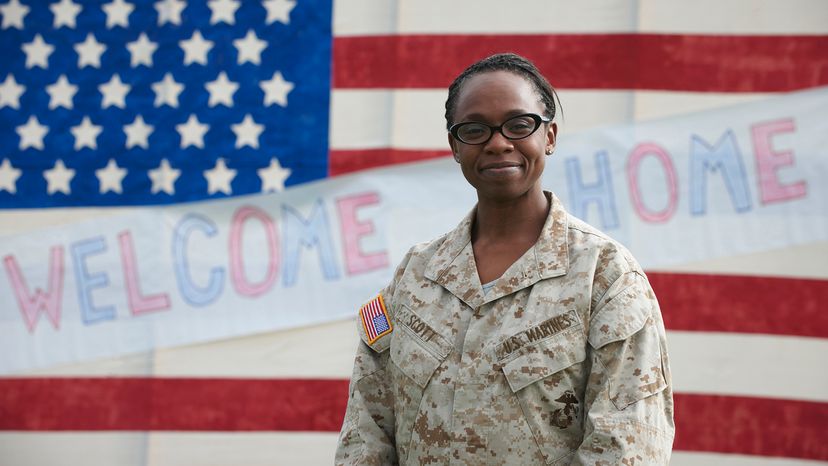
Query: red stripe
[[703, 63], [346, 161], [34, 404], [724, 303], [752, 426], [727, 424]]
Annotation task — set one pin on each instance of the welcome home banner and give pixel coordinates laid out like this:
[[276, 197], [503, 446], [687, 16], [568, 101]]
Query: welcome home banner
[[734, 181]]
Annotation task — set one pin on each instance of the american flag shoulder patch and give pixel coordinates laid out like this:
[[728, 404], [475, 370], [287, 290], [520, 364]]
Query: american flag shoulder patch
[[375, 319]]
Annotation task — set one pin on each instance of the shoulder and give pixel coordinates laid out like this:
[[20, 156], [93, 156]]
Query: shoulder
[[610, 264]]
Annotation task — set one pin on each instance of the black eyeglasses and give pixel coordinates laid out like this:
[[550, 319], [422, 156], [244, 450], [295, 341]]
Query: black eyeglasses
[[517, 127]]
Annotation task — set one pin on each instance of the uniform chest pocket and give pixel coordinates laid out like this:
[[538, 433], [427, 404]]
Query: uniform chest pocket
[[547, 378], [538, 361], [417, 349]]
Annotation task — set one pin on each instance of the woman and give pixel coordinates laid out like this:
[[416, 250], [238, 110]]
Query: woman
[[523, 336]]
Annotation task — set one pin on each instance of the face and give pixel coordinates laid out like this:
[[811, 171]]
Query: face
[[502, 169]]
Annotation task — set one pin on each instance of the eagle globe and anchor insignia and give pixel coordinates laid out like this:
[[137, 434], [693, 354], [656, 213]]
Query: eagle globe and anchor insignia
[[564, 417]]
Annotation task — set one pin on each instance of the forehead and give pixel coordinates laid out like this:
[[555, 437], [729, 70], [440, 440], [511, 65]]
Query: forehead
[[495, 94]]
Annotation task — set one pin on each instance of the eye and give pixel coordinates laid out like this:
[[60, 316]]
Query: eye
[[520, 126], [472, 131]]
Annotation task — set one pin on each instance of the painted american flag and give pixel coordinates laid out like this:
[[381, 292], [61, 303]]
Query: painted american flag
[[353, 85]]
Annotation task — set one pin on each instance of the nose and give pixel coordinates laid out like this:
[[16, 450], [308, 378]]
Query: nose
[[498, 144]]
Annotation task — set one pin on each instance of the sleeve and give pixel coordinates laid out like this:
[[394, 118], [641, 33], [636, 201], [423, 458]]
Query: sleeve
[[367, 435], [628, 400]]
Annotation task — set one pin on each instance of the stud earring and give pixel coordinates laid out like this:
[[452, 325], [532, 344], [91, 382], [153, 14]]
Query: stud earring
[[549, 151]]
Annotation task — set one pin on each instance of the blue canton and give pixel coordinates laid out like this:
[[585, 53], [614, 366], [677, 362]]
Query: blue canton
[[156, 102], [380, 323]]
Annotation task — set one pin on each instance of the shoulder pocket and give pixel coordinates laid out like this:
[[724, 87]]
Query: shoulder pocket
[[534, 362], [627, 337]]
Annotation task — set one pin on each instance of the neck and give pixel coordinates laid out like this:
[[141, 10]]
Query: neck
[[521, 218]]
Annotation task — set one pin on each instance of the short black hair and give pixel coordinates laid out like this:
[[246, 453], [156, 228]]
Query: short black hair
[[513, 63]]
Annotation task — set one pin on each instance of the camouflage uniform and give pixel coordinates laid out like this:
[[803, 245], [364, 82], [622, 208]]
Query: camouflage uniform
[[564, 361]]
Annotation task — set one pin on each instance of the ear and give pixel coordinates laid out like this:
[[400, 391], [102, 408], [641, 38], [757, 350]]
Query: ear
[[454, 150], [551, 137]]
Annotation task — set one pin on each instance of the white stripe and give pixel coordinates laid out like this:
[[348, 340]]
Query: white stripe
[[248, 448], [797, 261], [414, 118], [753, 17], [749, 365], [686, 458], [705, 363], [166, 448]]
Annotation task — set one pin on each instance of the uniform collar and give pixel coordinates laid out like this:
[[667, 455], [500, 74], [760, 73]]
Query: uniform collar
[[454, 268]]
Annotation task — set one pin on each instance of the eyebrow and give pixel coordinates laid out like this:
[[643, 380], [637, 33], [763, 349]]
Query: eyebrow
[[509, 114]]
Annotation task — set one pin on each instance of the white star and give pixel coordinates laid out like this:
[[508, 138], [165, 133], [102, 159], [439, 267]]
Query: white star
[[65, 13], [86, 134], [192, 133], [196, 49], [89, 52], [58, 178], [247, 132], [37, 52], [250, 48], [169, 11], [223, 10], [273, 177], [114, 92], [10, 92], [13, 14], [8, 176], [279, 10], [141, 51], [61, 93], [110, 177], [221, 90], [138, 133], [219, 178], [117, 13], [167, 91], [163, 178], [32, 134], [276, 90]]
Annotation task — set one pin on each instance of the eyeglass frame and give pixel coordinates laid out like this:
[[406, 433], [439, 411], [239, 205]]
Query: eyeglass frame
[[538, 119]]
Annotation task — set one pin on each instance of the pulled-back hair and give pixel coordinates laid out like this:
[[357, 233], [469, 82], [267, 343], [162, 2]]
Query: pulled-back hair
[[504, 62]]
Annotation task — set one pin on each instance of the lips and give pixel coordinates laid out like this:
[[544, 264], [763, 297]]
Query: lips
[[498, 165]]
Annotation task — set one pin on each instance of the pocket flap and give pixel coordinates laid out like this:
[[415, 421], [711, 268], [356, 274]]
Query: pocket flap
[[545, 358], [412, 357], [621, 317]]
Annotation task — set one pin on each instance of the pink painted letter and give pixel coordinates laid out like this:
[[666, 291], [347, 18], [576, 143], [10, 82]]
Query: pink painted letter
[[768, 162], [638, 154], [237, 276], [49, 301], [138, 303], [352, 230]]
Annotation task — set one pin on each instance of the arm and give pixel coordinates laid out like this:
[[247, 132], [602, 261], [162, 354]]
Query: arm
[[629, 403], [367, 435]]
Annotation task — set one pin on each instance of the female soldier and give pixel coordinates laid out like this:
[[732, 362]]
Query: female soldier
[[523, 336]]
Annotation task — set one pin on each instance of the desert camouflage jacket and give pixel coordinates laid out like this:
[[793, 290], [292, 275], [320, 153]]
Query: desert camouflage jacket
[[564, 361]]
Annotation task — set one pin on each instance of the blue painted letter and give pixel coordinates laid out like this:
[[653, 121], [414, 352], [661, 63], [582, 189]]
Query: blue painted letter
[[86, 282], [723, 156], [600, 192], [192, 293], [316, 231]]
